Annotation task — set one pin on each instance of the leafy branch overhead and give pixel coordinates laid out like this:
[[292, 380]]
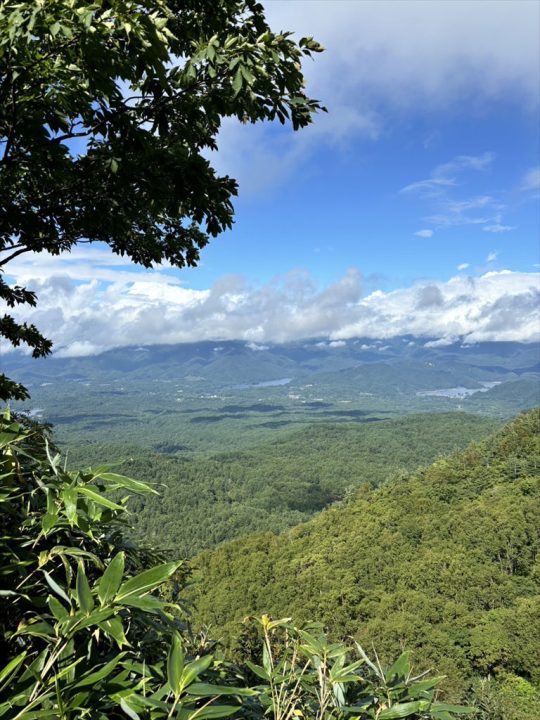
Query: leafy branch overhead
[[107, 112]]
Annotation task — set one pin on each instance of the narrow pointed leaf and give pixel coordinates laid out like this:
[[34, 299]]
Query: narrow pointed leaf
[[99, 499], [102, 673], [84, 594], [147, 580], [175, 663], [111, 579]]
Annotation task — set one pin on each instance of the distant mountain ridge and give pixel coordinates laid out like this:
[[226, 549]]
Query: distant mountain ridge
[[223, 363]]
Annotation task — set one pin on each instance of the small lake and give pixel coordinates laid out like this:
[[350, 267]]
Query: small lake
[[459, 392]]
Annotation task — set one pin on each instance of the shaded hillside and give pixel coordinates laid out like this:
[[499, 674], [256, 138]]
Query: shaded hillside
[[273, 486], [444, 561]]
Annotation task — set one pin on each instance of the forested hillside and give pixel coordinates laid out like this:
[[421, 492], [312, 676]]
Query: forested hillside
[[443, 561], [206, 500]]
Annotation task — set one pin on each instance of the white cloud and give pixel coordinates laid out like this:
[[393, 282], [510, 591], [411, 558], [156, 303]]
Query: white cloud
[[424, 233], [463, 266], [498, 228], [492, 256], [84, 315], [452, 212], [417, 53], [430, 187], [531, 181], [383, 59]]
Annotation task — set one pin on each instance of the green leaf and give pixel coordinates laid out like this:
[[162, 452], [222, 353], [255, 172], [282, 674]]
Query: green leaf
[[111, 579], [84, 594], [214, 711], [55, 587], [121, 481], [207, 690], [403, 710], [95, 677], [99, 499], [48, 521], [192, 671], [129, 711], [175, 663], [115, 629], [148, 603], [400, 668], [56, 607], [258, 670], [11, 668], [147, 580], [237, 82], [69, 496]]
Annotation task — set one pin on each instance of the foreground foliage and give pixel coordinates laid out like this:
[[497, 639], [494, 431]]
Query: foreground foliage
[[92, 628]]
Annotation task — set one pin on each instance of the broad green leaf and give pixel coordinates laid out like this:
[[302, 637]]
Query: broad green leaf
[[115, 629], [192, 671], [128, 710], [400, 668], [99, 499], [175, 663], [121, 481], [48, 521], [111, 579], [56, 587], [148, 603], [41, 628], [95, 677], [84, 594], [258, 670], [237, 82], [213, 711], [147, 580], [403, 710], [8, 670], [266, 659], [56, 607], [69, 497]]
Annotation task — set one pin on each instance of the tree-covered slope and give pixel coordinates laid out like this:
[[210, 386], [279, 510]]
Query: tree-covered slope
[[443, 561], [273, 486]]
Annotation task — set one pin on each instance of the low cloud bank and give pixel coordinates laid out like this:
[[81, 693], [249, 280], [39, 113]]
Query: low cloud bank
[[89, 310]]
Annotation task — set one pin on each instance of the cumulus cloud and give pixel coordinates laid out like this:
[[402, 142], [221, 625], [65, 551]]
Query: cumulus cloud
[[85, 314], [462, 266]]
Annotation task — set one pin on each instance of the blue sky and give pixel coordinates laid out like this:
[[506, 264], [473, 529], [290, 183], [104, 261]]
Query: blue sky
[[340, 205], [411, 207]]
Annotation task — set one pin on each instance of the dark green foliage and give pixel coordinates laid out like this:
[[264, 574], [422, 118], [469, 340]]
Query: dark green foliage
[[88, 628], [443, 561], [279, 484]]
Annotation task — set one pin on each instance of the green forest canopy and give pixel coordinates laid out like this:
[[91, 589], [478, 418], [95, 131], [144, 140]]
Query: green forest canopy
[[443, 561]]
